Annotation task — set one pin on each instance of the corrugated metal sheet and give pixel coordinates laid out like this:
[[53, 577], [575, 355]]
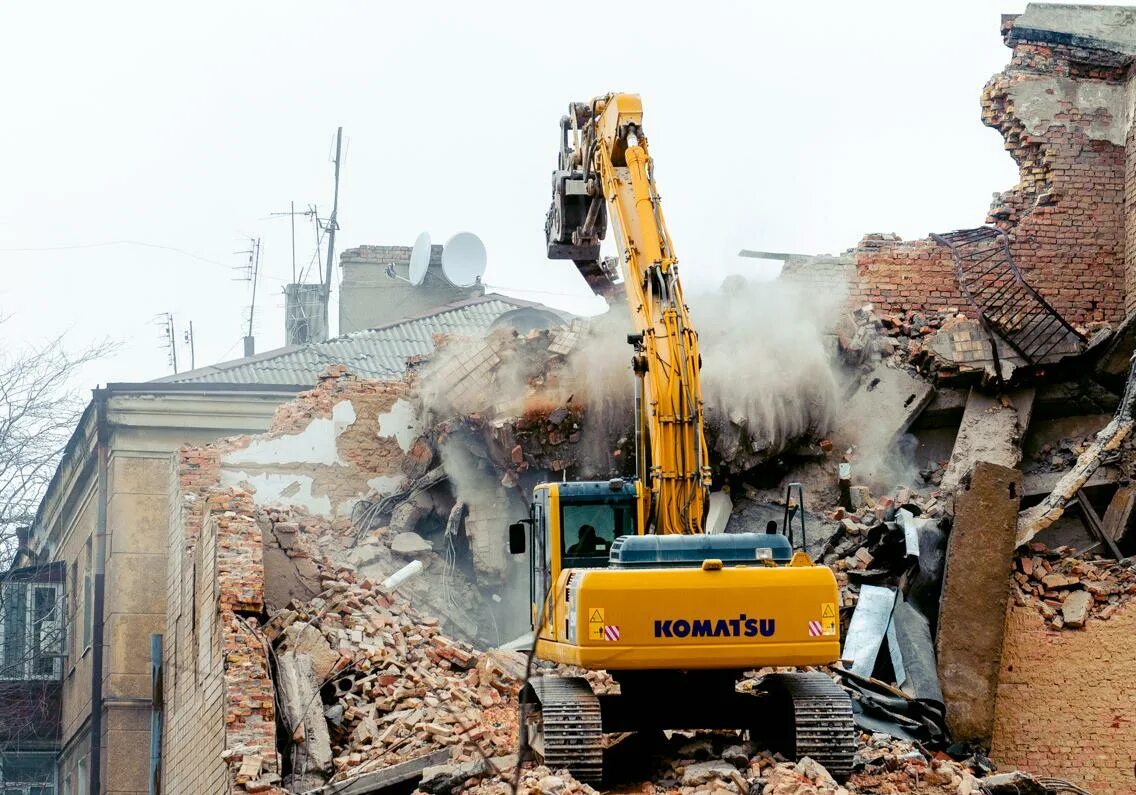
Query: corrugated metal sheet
[[374, 353]]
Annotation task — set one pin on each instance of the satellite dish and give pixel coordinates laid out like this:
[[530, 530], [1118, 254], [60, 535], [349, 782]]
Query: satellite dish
[[420, 259], [463, 259]]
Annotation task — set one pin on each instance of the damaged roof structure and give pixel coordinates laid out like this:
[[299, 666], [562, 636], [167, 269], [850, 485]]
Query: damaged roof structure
[[329, 576]]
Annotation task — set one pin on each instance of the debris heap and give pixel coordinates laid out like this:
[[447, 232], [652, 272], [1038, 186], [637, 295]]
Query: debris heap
[[1069, 589], [392, 686]]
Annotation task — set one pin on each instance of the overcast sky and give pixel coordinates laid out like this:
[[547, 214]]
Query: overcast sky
[[145, 143]]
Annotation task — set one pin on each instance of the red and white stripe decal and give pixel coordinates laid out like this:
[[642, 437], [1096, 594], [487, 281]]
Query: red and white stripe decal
[[612, 632], [814, 629]]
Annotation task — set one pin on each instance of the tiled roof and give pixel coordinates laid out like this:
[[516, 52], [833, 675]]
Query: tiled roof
[[374, 353]]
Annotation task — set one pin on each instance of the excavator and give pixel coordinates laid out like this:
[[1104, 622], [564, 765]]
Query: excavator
[[622, 576]]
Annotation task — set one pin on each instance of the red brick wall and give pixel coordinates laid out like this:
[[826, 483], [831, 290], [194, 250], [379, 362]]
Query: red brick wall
[[1130, 214], [1066, 214], [1065, 217], [1066, 703], [894, 274]]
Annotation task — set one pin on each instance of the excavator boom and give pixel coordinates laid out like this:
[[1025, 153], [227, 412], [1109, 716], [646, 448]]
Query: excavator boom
[[609, 166]]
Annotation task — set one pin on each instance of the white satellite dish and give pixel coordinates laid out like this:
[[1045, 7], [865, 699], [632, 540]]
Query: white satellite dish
[[463, 259], [420, 259]]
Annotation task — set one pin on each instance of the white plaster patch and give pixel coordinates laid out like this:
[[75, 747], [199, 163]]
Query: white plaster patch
[[313, 445], [385, 484], [1038, 101], [276, 488], [401, 422]]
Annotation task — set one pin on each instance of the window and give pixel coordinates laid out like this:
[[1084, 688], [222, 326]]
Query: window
[[31, 629], [587, 529], [27, 774], [13, 652], [88, 608]]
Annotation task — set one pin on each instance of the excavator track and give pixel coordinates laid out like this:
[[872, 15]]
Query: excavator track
[[564, 726], [821, 713]]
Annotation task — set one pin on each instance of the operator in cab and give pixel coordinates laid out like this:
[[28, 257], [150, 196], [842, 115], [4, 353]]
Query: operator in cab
[[589, 543]]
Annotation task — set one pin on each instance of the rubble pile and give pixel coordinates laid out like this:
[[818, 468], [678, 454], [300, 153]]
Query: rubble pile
[[871, 543], [1061, 455], [392, 685], [903, 337], [1068, 589], [530, 403], [722, 763]]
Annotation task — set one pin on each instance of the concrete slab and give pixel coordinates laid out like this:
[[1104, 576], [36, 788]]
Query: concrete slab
[[721, 506], [886, 404], [976, 590], [1095, 26], [991, 430]]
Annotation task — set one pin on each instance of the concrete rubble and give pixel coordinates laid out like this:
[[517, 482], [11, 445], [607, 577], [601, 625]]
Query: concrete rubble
[[390, 685], [718, 763]]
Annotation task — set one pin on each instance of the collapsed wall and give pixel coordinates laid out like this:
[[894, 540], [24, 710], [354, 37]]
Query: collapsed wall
[[1063, 106]]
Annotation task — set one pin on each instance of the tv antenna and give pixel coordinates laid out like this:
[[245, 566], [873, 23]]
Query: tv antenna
[[251, 270], [168, 338]]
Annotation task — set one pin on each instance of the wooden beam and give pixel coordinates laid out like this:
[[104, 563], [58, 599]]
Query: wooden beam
[[1119, 512], [1093, 522]]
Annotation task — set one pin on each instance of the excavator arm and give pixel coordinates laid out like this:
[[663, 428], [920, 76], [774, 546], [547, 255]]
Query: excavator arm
[[605, 169]]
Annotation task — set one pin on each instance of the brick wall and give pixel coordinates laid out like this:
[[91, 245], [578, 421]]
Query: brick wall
[[1061, 112], [220, 711], [218, 690], [194, 684], [893, 275], [1066, 214], [1130, 211], [1066, 704]]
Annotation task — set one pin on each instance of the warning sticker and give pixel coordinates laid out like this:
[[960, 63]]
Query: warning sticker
[[596, 623], [828, 618]]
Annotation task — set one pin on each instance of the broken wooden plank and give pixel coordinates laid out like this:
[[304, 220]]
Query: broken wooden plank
[[391, 776], [1119, 512], [1039, 484], [991, 430], [1093, 523], [1033, 520]]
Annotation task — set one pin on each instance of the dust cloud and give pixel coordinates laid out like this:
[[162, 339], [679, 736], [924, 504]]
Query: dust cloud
[[768, 374]]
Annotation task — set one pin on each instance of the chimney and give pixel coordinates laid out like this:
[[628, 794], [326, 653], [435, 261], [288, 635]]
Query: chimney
[[305, 314]]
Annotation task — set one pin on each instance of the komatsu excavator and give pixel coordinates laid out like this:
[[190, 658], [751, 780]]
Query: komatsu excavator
[[622, 576]]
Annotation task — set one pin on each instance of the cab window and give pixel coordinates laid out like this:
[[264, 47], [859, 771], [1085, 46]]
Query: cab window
[[589, 528]]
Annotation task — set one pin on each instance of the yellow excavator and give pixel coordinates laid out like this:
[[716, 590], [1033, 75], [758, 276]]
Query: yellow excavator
[[622, 576]]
